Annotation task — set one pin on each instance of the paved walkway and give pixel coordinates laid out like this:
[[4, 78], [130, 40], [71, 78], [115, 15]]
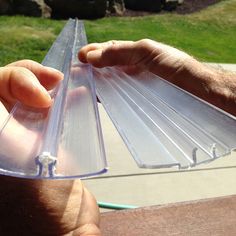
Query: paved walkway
[[125, 183]]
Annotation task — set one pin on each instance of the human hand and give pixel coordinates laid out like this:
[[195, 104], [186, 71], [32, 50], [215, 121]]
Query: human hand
[[25, 81], [40, 207], [177, 67]]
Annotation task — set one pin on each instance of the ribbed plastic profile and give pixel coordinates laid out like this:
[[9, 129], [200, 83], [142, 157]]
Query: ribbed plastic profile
[[64, 141], [162, 125]]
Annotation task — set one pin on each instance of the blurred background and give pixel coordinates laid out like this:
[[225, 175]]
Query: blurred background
[[204, 28]]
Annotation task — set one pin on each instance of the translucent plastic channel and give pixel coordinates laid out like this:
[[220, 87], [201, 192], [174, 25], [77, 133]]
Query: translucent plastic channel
[[161, 124], [64, 141]]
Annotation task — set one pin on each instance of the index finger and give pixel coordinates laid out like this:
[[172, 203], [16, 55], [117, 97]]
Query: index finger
[[47, 76], [111, 53]]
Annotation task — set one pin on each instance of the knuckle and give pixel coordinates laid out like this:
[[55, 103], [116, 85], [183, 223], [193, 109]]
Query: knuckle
[[144, 42]]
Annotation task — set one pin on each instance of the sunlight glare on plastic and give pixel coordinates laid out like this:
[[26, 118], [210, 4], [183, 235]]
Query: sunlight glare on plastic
[[64, 141]]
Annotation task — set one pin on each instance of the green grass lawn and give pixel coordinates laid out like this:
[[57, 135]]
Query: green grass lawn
[[25, 37], [209, 35]]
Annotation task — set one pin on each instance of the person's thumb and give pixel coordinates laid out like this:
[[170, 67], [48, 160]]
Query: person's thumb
[[20, 84]]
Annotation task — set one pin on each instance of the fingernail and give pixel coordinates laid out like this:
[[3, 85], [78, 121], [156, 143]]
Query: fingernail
[[94, 55], [37, 85], [45, 92]]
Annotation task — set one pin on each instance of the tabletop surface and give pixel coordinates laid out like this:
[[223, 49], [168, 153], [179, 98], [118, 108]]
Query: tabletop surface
[[206, 217]]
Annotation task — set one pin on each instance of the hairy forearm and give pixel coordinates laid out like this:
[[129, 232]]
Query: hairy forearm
[[224, 91], [215, 86]]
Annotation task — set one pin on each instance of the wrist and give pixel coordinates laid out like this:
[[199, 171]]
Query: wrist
[[224, 91], [212, 85]]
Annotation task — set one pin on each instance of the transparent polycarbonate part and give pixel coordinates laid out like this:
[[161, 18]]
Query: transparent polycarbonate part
[[161, 124], [65, 140]]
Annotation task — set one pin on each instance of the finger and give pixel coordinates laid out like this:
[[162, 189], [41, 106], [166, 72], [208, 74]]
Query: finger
[[47, 76], [18, 83], [82, 55], [110, 53]]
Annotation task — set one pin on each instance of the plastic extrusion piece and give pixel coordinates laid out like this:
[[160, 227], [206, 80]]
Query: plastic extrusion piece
[[161, 124], [64, 141]]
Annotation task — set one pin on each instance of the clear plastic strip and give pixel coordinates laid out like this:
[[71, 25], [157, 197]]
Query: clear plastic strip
[[179, 124], [64, 141], [166, 112]]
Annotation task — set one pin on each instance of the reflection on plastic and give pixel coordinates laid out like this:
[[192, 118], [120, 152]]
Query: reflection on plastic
[[64, 141], [162, 125]]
